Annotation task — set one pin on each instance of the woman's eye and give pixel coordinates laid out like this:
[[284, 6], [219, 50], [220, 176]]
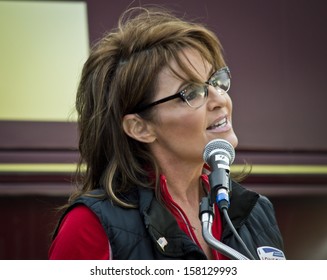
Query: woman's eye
[[223, 85], [193, 92], [216, 83], [220, 80]]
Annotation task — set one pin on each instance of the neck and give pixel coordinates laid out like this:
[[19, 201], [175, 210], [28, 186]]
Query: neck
[[182, 175], [187, 190]]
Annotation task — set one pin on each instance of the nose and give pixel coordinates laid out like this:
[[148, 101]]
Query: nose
[[220, 91], [217, 97]]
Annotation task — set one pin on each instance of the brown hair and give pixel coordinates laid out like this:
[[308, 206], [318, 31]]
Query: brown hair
[[120, 75]]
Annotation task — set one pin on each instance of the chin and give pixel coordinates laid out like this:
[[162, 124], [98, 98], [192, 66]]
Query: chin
[[233, 140]]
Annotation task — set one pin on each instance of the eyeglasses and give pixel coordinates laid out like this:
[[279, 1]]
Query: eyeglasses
[[195, 95]]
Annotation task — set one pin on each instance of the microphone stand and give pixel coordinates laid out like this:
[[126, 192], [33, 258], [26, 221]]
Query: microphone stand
[[206, 216]]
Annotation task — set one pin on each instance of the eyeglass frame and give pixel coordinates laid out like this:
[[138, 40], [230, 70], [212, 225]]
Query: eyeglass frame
[[180, 94]]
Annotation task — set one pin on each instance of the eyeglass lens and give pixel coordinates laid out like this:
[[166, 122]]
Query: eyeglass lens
[[195, 95]]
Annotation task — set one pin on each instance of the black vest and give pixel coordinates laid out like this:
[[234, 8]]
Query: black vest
[[149, 232]]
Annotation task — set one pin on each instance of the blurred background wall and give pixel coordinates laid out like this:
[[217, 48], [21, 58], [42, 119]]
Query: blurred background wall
[[276, 51]]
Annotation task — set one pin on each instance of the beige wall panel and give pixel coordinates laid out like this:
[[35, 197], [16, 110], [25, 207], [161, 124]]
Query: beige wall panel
[[43, 47]]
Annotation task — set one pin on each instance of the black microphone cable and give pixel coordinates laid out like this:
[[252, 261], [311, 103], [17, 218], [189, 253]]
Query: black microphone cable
[[239, 239]]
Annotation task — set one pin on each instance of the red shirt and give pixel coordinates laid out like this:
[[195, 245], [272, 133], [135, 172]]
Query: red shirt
[[82, 237]]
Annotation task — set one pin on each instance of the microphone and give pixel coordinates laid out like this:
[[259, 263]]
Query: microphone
[[219, 154]]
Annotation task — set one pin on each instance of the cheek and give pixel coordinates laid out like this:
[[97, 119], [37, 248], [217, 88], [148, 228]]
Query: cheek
[[229, 103], [181, 124], [182, 136]]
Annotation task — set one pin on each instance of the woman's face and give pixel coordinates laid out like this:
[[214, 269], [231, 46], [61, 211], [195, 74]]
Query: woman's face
[[181, 131]]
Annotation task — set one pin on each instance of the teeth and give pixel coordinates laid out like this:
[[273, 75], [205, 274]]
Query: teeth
[[220, 123]]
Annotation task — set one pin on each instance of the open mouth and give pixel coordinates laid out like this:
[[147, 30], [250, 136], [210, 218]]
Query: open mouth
[[221, 123]]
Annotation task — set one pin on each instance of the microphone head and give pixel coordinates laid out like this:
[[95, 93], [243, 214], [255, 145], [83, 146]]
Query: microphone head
[[217, 146]]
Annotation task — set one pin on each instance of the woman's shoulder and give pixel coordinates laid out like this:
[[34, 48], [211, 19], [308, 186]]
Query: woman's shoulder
[[80, 236]]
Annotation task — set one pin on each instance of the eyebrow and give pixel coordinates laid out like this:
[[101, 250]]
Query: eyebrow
[[186, 82]]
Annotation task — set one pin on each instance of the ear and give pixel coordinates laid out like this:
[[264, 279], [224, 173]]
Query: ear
[[138, 128]]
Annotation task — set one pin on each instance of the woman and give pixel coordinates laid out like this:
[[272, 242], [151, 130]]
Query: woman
[[153, 93]]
